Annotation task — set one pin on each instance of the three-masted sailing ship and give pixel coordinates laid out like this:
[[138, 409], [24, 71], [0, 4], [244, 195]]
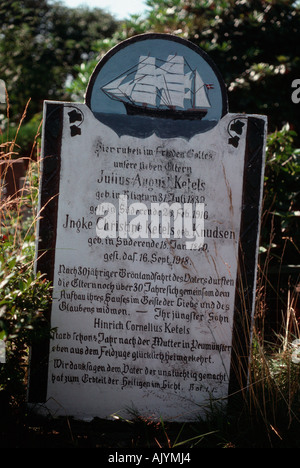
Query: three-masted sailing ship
[[161, 88]]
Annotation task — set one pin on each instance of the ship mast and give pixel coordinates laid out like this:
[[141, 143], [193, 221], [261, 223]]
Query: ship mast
[[164, 86]]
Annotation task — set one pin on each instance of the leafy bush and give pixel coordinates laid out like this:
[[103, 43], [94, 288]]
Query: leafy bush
[[24, 294], [24, 297], [281, 195]]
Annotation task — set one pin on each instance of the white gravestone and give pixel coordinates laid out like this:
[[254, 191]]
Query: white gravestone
[[143, 239]]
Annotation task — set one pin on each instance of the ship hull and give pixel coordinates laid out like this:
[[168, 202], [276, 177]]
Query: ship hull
[[189, 114]]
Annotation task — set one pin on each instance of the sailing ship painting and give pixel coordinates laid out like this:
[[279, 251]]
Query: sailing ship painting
[[161, 88]]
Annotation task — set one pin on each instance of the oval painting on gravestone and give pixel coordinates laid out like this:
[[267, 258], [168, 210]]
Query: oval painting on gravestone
[[157, 83]]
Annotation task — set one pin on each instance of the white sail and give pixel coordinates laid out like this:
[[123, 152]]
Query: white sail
[[188, 80], [113, 88], [172, 72], [174, 65], [126, 88], [201, 99], [146, 66], [144, 89]]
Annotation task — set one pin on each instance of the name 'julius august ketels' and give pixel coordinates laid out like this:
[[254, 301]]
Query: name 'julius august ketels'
[[170, 181]]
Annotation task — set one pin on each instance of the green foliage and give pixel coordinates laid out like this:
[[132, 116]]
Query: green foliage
[[76, 88], [24, 296], [281, 196], [24, 136], [40, 43], [253, 43]]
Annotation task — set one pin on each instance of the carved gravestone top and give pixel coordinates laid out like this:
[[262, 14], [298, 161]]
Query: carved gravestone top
[[161, 77], [151, 192]]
